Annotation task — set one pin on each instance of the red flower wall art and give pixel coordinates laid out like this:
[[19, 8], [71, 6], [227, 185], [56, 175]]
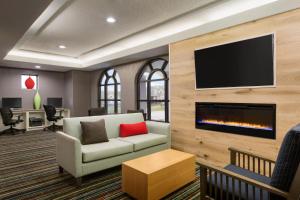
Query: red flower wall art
[[29, 82]]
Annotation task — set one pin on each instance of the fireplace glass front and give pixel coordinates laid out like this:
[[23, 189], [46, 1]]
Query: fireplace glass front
[[257, 120]]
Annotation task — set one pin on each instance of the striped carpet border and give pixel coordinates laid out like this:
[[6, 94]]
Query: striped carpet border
[[28, 170]]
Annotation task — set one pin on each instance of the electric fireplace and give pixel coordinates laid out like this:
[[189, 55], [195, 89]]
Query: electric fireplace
[[257, 120]]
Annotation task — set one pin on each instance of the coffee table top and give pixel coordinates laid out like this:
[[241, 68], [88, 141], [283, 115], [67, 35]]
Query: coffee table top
[[156, 161]]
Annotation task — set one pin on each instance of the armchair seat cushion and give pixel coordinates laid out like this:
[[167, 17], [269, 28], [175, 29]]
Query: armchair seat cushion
[[242, 172], [113, 147], [146, 140], [248, 174]]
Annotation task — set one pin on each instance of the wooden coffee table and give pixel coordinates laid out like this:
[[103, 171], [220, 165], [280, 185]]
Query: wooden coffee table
[[157, 175]]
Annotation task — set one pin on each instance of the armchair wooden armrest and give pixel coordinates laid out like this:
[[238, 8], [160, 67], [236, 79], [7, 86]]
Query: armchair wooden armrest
[[250, 161], [206, 173]]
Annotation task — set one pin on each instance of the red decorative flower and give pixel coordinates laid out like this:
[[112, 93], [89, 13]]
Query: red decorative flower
[[29, 83]]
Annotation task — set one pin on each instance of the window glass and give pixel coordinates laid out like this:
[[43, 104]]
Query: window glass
[[159, 100], [143, 105], [103, 80], [102, 95], [167, 70], [158, 64], [146, 73], [119, 92], [143, 90], [119, 106], [157, 75], [102, 103], [110, 92], [117, 78], [157, 90], [110, 72], [158, 111], [111, 81], [110, 107]]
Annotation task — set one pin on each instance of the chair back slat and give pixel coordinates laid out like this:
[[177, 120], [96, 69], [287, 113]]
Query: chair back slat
[[251, 162]]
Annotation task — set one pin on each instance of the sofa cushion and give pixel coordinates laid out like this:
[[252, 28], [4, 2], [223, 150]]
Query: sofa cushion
[[100, 151], [144, 141], [93, 132], [288, 160]]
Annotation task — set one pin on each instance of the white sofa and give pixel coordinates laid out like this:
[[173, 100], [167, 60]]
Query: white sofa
[[80, 160]]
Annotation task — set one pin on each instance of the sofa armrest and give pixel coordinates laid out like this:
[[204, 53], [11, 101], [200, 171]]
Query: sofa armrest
[[68, 153], [158, 127]]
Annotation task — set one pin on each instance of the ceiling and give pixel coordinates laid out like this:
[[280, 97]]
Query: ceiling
[[15, 18], [81, 25], [143, 29]]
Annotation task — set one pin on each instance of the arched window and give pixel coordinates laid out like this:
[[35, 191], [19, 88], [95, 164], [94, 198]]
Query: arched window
[[110, 91], [153, 90]]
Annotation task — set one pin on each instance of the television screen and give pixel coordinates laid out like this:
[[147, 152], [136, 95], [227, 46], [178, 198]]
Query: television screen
[[56, 102], [11, 102], [247, 63]]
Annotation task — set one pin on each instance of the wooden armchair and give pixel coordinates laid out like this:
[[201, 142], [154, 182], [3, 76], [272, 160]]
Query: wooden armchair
[[249, 176]]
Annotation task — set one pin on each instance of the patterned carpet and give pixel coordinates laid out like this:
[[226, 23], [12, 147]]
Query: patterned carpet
[[28, 170]]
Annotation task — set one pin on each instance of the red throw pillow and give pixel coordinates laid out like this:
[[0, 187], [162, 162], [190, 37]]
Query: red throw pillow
[[133, 129]]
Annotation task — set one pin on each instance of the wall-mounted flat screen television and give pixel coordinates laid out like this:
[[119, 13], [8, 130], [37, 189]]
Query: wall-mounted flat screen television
[[8, 102], [246, 63], [55, 101]]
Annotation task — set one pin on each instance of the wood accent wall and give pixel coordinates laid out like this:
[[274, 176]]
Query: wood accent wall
[[213, 146]]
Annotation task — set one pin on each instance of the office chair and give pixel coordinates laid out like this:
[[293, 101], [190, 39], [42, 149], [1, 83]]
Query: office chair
[[50, 113], [7, 119], [138, 111], [97, 111]]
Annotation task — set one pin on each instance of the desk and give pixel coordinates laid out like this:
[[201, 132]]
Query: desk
[[27, 113]]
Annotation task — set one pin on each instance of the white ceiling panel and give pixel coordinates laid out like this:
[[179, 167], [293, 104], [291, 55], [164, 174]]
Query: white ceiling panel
[[81, 24]]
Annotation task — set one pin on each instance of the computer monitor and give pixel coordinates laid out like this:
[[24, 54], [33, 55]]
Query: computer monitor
[[56, 102], [8, 102]]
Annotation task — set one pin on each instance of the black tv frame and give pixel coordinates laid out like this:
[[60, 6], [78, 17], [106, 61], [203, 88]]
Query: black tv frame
[[239, 40]]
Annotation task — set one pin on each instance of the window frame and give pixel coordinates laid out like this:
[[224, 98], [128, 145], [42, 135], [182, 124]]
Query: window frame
[[116, 84], [148, 81]]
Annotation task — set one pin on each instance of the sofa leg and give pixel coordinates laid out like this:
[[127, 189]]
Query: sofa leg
[[78, 181], [61, 170]]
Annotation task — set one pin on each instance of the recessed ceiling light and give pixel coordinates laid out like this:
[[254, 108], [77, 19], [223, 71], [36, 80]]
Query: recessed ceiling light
[[62, 46], [111, 20], [38, 67]]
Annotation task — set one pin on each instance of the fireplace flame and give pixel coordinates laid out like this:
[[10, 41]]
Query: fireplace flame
[[237, 124]]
